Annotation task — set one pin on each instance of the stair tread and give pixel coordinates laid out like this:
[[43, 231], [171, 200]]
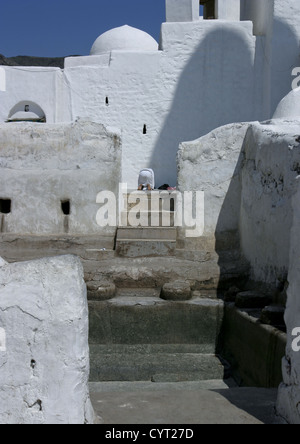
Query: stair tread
[[150, 349], [134, 299], [146, 240], [155, 366], [147, 228]]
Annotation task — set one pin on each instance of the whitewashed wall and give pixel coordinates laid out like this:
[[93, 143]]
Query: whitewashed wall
[[182, 10], [42, 165], [213, 164], [203, 77], [272, 164], [44, 86], [208, 73], [44, 352], [228, 10], [260, 12], [289, 391]]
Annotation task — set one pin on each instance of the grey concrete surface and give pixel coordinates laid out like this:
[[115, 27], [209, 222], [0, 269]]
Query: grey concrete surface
[[204, 402]]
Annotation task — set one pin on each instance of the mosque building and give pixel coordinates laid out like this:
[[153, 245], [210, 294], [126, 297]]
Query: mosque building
[[231, 65], [213, 109]]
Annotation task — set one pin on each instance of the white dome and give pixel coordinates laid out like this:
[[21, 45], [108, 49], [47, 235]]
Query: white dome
[[124, 38], [289, 107]]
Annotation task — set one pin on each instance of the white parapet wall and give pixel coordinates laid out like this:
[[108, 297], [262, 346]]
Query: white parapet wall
[[213, 164], [52, 173], [44, 352]]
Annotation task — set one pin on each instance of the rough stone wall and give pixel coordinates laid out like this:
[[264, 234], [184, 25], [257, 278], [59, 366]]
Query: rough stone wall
[[272, 163], [248, 174], [288, 405], [43, 165], [44, 352], [212, 164]]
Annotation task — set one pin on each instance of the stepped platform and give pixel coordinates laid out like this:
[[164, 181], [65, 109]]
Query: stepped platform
[[146, 241], [139, 337]]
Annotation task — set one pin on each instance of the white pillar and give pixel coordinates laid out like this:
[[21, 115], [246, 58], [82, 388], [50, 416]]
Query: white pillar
[[228, 10], [182, 10]]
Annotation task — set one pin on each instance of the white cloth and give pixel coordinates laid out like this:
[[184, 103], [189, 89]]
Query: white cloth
[[146, 178]]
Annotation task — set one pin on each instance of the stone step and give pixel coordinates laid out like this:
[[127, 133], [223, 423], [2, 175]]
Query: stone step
[[147, 233], [154, 272], [146, 242], [94, 254], [204, 255], [148, 219], [14, 247], [148, 349], [150, 320], [156, 367], [132, 293], [145, 248], [142, 293]]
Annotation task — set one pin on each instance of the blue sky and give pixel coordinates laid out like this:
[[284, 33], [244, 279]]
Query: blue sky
[[55, 28]]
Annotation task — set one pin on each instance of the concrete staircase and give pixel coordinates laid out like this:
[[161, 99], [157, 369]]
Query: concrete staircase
[[145, 242], [137, 336], [147, 225]]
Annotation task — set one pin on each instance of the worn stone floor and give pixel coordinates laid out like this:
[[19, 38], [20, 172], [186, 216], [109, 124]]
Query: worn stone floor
[[204, 402]]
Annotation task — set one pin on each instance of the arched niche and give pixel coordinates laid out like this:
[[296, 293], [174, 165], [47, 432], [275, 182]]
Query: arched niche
[[27, 111]]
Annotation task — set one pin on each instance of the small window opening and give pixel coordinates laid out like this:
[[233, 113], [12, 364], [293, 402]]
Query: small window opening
[[5, 206], [66, 207], [145, 129], [208, 9], [26, 108], [106, 101]]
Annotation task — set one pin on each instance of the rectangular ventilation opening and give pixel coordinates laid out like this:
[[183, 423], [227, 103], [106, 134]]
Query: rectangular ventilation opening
[[208, 9], [5, 206], [66, 207]]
